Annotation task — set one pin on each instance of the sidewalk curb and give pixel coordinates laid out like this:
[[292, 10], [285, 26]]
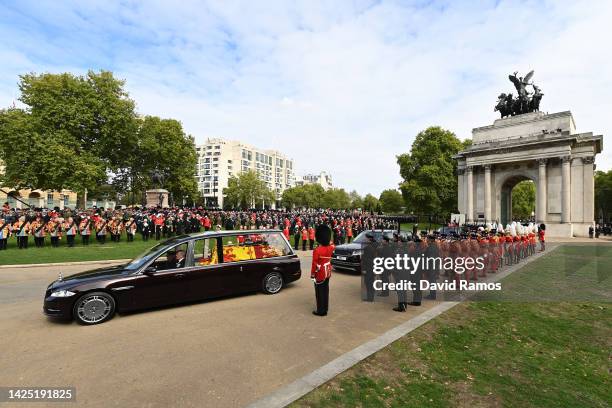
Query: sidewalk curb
[[302, 386], [103, 262]]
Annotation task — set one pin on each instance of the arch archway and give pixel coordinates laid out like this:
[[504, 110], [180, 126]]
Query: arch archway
[[544, 148], [34, 199], [506, 198]]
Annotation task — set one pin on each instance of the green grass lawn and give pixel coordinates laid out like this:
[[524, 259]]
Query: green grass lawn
[[489, 354], [93, 252]]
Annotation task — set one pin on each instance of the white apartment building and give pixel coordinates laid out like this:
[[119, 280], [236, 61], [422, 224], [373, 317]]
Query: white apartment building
[[219, 160], [323, 178]]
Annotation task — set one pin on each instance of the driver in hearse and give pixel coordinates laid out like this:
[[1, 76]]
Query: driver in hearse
[[179, 259], [175, 259]]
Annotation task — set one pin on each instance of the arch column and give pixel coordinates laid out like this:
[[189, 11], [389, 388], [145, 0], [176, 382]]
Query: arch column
[[541, 196], [566, 193], [487, 193], [470, 194]]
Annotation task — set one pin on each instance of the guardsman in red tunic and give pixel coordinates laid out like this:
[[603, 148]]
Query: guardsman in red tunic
[[321, 268], [311, 236], [304, 238], [286, 232], [541, 236]]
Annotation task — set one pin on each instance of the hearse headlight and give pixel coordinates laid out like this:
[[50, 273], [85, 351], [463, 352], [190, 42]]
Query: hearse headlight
[[62, 293], [357, 252]]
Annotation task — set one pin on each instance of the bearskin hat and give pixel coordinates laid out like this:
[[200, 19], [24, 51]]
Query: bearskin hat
[[323, 234]]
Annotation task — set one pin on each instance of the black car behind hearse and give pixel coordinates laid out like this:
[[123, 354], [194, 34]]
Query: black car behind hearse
[[347, 257], [183, 269]]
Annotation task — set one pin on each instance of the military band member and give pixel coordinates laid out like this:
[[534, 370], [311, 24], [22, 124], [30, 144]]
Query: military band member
[[38, 229], [21, 229], [85, 230], [54, 228], [321, 268], [116, 228], [5, 232], [130, 228], [101, 230], [71, 230]]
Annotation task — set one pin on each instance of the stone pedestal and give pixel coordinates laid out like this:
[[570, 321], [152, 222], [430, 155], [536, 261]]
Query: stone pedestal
[[157, 198]]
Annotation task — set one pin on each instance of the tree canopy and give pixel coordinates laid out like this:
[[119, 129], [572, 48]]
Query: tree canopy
[[247, 190], [314, 196], [391, 201], [523, 200], [82, 132], [429, 182], [370, 203], [603, 195]]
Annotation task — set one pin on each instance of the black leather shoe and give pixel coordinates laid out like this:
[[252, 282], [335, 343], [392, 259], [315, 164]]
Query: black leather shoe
[[415, 303], [399, 309], [319, 314]]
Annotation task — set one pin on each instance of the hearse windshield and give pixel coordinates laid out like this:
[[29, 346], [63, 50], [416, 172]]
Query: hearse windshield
[[147, 255]]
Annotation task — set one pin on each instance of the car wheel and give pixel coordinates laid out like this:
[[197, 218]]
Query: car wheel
[[94, 308], [272, 283]]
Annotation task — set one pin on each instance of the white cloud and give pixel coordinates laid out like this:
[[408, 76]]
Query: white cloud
[[340, 86]]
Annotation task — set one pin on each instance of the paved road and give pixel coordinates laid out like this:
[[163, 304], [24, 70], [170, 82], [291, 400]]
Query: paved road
[[222, 353]]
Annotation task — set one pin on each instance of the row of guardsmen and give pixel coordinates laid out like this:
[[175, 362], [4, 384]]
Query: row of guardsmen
[[498, 247]]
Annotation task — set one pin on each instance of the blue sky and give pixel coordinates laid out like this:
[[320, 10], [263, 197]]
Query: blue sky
[[342, 86]]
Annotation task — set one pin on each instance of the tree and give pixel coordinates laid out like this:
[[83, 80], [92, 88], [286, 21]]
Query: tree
[[603, 196], [370, 203], [336, 198], [391, 201], [523, 200], [74, 131], [307, 195], [428, 171], [163, 146], [247, 191], [356, 200]]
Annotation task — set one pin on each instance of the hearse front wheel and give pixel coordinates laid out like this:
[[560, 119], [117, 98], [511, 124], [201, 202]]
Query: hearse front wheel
[[272, 283], [94, 308]]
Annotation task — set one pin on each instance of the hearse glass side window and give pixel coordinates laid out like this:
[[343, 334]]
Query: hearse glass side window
[[245, 247], [173, 258], [205, 252]]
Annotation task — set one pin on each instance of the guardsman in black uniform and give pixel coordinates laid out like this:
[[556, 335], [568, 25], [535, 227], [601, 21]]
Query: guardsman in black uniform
[[296, 237]]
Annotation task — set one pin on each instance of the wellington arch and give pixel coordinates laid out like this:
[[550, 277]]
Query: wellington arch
[[537, 146]]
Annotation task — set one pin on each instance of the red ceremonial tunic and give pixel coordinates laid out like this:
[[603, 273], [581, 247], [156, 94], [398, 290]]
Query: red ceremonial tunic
[[321, 262]]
